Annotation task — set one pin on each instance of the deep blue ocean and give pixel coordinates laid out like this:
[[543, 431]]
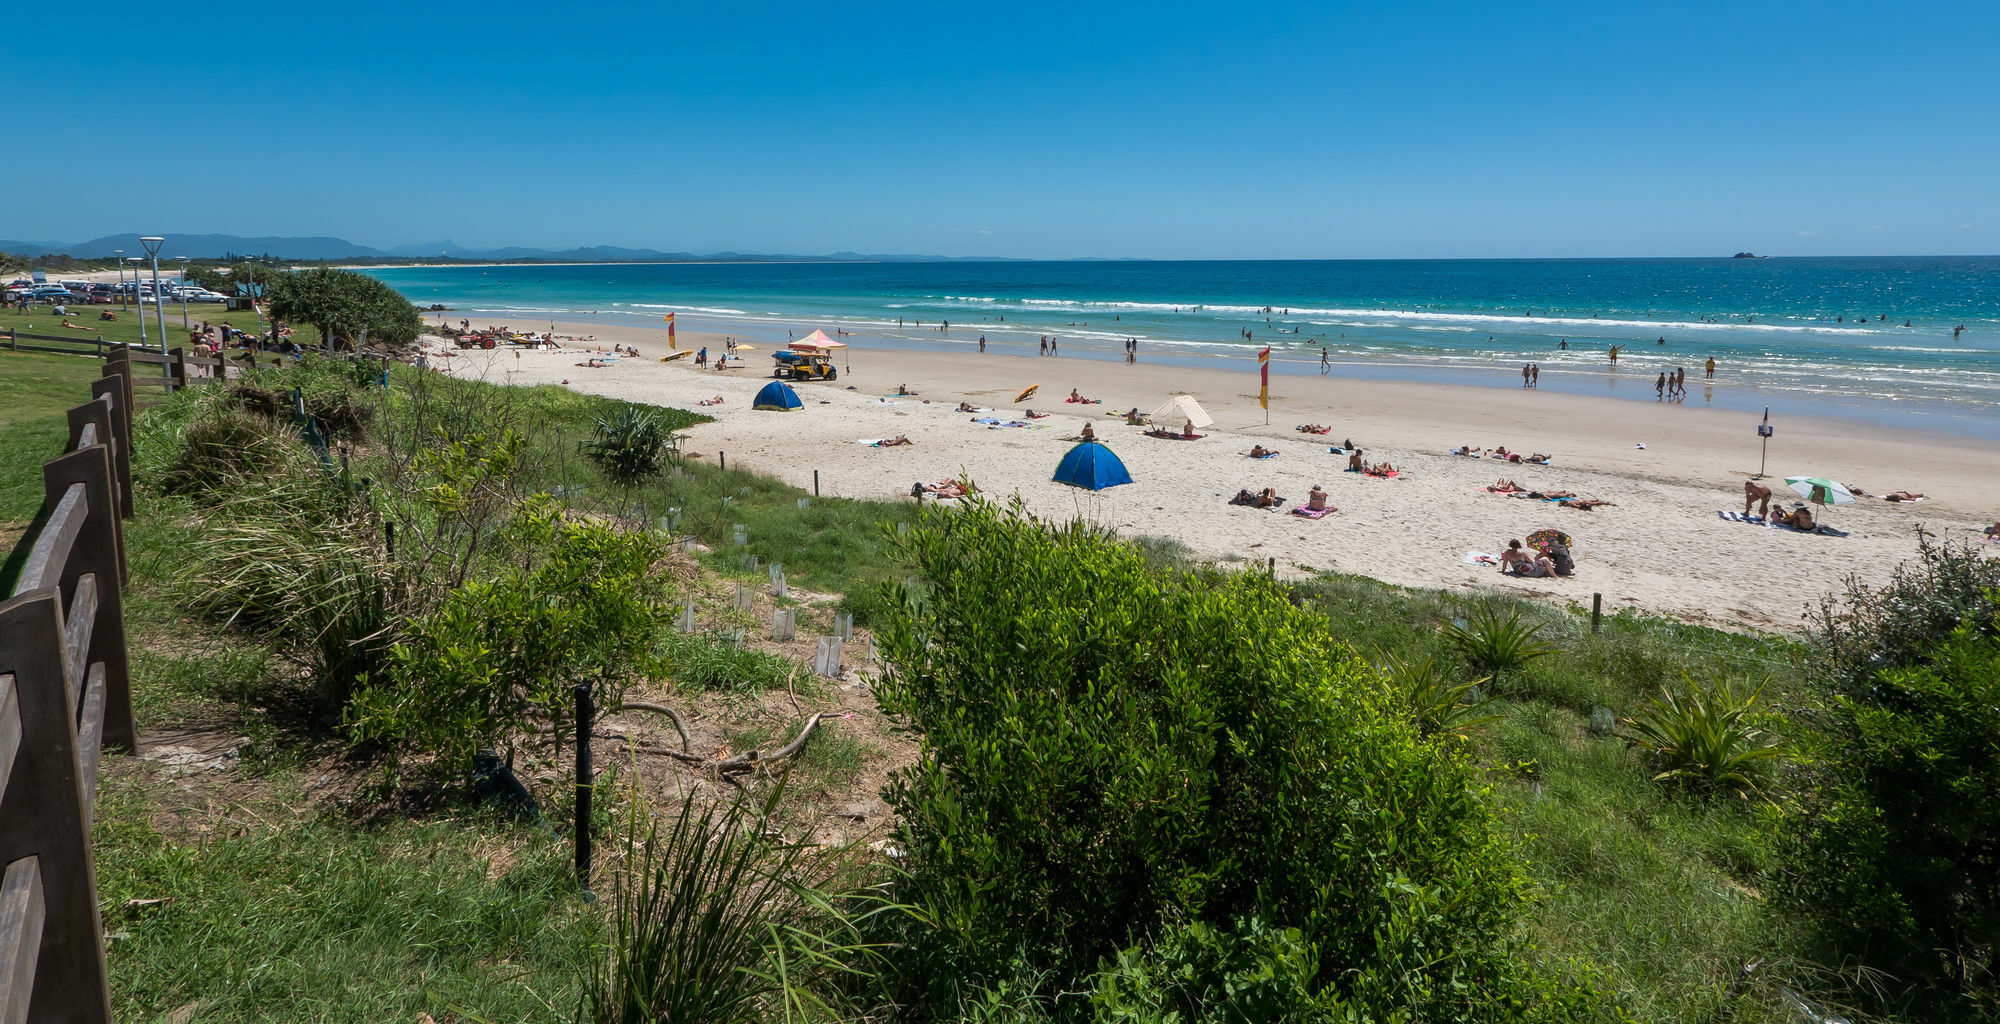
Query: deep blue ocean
[[1873, 337]]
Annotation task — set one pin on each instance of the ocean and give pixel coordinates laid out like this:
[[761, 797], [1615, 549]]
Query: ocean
[[1875, 338]]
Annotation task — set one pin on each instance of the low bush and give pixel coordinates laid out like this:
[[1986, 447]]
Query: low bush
[[1109, 753], [1497, 644], [718, 663]]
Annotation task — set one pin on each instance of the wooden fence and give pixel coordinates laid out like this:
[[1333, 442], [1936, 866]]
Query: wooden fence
[[65, 698], [167, 370]]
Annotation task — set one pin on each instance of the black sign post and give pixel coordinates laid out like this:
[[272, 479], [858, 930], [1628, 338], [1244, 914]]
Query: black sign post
[[1764, 431]]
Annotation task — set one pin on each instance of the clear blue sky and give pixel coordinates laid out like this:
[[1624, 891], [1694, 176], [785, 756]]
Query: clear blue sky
[[1165, 129]]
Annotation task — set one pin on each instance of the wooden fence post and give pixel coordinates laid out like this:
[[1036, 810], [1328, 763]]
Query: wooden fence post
[[99, 552], [118, 390], [44, 810], [178, 369]]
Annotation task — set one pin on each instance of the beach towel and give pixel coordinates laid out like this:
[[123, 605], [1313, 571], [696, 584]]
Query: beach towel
[[1480, 558], [1738, 517], [1312, 513], [1169, 436], [1266, 455]]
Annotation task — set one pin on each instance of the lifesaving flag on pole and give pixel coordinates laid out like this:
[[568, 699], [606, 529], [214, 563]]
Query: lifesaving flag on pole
[[1264, 375], [670, 331]]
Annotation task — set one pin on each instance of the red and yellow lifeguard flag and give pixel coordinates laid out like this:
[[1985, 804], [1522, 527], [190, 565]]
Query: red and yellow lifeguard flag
[[1264, 378], [670, 331]]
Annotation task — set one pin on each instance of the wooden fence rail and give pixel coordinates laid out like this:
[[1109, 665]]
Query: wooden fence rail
[[65, 698]]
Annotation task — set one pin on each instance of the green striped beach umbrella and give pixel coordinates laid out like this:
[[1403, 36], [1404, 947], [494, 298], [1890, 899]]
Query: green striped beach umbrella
[[1820, 491]]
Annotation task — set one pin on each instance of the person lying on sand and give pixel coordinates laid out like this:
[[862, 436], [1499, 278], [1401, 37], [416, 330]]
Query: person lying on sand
[[892, 442], [1539, 459], [1268, 498], [1895, 495], [946, 489], [1501, 452], [1468, 451], [1757, 494], [1316, 498], [1993, 532], [1505, 486], [1550, 495], [1585, 504], [1380, 469], [967, 407], [1313, 428], [903, 391], [1244, 497], [1033, 415], [1259, 451], [1799, 518]]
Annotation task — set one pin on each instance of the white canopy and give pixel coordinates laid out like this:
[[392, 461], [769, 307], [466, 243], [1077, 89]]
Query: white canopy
[[1183, 408]]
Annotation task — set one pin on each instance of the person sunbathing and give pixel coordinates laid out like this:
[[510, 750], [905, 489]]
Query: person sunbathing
[[1314, 428], [1993, 532], [1033, 415], [1132, 417], [903, 391], [1259, 451], [717, 400], [1468, 451], [1551, 495], [1354, 463], [891, 442], [107, 315], [1502, 452], [1268, 498], [947, 489], [1244, 497], [75, 327], [1895, 495], [1799, 518], [967, 407], [1585, 504], [1316, 499], [1380, 469], [1513, 556], [1505, 486], [1088, 434], [1187, 429], [1540, 459]]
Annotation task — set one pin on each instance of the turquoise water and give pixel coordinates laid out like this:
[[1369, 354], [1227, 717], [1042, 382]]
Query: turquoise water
[[1866, 337]]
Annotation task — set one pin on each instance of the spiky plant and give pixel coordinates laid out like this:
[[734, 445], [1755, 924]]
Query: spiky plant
[[1438, 703], [1706, 738], [631, 448], [1496, 644]]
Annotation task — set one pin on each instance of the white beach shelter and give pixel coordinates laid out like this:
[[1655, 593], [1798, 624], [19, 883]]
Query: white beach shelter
[[1183, 408]]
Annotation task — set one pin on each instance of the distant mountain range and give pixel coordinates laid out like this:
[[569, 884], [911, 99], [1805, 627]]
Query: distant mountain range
[[318, 248]]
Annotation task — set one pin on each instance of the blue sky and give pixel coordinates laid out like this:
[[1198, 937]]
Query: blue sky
[[1165, 130]]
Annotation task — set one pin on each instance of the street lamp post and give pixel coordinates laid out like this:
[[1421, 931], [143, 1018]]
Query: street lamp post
[[120, 261], [135, 299], [184, 293], [152, 244]]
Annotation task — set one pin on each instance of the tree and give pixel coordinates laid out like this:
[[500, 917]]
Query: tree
[[342, 304]]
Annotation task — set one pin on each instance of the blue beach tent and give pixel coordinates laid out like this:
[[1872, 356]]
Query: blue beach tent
[[1093, 466], [777, 396]]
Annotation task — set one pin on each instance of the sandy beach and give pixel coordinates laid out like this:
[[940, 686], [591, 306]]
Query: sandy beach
[[1659, 546]]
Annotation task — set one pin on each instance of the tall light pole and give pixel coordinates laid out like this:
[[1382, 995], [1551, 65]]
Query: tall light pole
[[135, 299], [121, 276], [152, 244], [184, 293]]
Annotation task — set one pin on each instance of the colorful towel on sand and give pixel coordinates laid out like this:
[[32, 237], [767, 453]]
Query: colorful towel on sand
[[1738, 517], [1312, 513], [1480, 558]]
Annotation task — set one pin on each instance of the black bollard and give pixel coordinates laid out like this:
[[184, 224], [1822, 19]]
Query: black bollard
[[815, 483], [1596, 611], [585, 714], [722, 460]]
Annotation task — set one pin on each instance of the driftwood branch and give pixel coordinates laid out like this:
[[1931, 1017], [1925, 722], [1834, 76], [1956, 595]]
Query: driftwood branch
[[680, 724], [749, 759]]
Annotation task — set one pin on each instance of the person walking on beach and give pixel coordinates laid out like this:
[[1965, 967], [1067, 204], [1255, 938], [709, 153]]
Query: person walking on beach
[[1524, 375], [1535, 375], [1711, 368], [1325, 365], [1045, 345], [1052, 348], [1660, 387], [982, 343]]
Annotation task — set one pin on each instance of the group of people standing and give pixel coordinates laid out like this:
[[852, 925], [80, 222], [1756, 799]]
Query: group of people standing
[[1531, 375]]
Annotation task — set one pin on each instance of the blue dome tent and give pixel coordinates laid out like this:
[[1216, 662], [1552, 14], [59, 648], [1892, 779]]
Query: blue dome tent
[[1093, 466], [777, 396]]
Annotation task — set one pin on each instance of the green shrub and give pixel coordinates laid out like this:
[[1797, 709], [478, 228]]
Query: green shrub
[[1894, 860], [708, 662], [585, 607], [1109, 752], [1197, 974], [220, 450], [630, 448], [1706, 738], [1871, 629], [1494, 644]]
